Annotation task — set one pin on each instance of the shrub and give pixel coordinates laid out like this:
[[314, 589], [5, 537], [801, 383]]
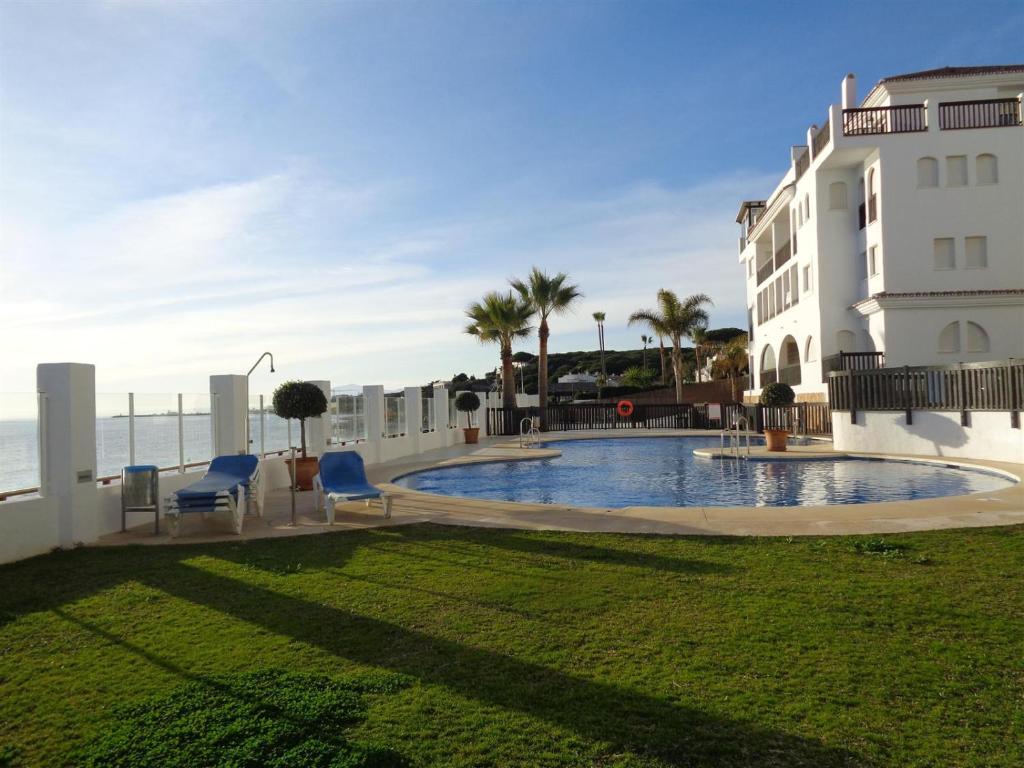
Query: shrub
[[638, 377], [269, 718], [299, 400], [467, 403], [777, 393]]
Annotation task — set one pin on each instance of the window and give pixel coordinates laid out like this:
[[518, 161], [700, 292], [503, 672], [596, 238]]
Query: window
[[949, 339], [986, 169], [807, 279], [975, 252], [760, 310], [927, 172], [794, 283], [750, 267], [977, 338], [874, 261], [807, 207], [863, 270], [872, 197], [809, 350], [945, 253], [956, 171], [837, 196]]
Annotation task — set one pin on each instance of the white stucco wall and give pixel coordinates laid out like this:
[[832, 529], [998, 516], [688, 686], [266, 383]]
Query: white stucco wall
[[933, 433]]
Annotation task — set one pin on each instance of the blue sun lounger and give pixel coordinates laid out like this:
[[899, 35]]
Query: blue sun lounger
[[229, 484], [343, 478]]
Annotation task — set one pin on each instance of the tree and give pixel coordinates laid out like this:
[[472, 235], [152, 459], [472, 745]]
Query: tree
[[641, 378], [674, 319], [732, 361], [701, 343], [467, 403], [599, 317], [501, 318], [645, 340], [548, 296], [299, 400]]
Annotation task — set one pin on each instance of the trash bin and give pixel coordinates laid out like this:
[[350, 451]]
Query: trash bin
[[140, 492]]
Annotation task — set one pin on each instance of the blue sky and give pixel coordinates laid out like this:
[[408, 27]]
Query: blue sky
[[184, 184]]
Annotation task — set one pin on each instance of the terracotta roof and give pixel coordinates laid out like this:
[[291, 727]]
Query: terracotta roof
[[929, 74]]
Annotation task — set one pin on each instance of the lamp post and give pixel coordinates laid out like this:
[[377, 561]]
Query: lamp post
[[258, 361]]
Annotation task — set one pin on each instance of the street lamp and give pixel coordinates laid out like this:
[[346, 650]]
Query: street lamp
[[265, 354]]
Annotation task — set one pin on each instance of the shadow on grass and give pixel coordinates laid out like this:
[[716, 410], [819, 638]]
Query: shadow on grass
[[598, 711]]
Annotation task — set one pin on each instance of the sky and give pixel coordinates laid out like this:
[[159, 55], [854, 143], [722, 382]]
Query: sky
[[185, 185]]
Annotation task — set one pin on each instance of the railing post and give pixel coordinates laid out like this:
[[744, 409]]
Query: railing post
[[907, 400], [963, 394], [131, 428], [851, 388], [181, 437]]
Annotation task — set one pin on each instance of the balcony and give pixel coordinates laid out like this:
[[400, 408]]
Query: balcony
[[872, 121], [802, 164], [765, 271], [985, 113], [821, 139]]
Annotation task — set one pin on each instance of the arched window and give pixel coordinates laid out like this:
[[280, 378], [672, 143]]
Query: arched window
[[846, 341], [809, 350], [949, 339], [789, 361], [987, 169], [927, 172], [977, 338], [837, 196]]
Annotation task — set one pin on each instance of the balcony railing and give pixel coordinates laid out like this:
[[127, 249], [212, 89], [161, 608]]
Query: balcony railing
[[765, 271], [985, 113], [871, 121], [821, 139], [790, 374], [803, 163], [767, 377]]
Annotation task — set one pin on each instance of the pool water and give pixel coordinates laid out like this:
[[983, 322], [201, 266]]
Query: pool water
[[638, 471]]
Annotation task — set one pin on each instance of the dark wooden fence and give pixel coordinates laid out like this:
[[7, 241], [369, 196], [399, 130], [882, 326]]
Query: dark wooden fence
[[992, 386], [869, 121], [801, 418], [985, 113]]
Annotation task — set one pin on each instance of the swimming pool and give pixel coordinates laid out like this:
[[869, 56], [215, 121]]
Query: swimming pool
[[662, 471]]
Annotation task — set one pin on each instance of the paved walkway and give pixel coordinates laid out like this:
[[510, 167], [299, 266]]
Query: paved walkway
[[1005, 507]]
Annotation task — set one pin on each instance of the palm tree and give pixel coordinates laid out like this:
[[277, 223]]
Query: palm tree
[[548, 296], [599, 317], [501, 318], [661, 358], [645, 339], [701, 343], [732, 361], [675, 319]]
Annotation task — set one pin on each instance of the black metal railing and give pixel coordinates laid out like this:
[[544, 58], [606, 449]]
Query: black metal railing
[[804, 418], [821, 139], [871, 121], [851, 361], [991, 386], [984, 113]]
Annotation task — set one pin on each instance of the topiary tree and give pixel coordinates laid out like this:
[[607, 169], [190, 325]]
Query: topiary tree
[[776, 394], [467, 402], [299, 400]]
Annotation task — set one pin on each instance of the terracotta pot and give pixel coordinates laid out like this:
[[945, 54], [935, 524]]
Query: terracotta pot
[[775, 439], [471, 434], [305, 470]]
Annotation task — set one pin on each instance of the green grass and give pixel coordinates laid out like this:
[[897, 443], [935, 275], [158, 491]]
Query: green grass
[[470, 647]]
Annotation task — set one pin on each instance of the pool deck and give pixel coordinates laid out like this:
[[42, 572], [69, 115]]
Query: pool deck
[[1003, 507]]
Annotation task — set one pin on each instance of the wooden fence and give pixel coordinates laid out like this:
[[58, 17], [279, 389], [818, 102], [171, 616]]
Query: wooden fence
[[992, 386], [801, 418]]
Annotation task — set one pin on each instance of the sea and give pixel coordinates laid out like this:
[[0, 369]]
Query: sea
[[156, 442]]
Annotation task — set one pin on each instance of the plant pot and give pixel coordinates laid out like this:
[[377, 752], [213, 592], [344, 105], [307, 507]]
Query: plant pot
[[471, 435], [775, 439], [305, 470]]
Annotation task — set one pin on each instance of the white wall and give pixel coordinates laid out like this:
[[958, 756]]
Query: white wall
[[933, 433]]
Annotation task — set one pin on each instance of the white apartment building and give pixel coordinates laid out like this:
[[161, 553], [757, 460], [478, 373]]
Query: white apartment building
[[897, 233]]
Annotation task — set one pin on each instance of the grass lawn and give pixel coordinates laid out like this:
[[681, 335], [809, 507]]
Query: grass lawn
[[466, 647]]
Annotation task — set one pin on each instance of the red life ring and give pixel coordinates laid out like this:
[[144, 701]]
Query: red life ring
[[624, 408]]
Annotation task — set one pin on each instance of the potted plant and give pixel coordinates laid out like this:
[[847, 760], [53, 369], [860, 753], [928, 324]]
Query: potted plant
[[468, 403], [776, 395], [301, 400]]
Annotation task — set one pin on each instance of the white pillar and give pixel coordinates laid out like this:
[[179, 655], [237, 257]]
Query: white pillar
[[440, 406], [413, 418], [373, 402], [318, 430], [849, 92], [229, 411], [69, 448], [931, 111]]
